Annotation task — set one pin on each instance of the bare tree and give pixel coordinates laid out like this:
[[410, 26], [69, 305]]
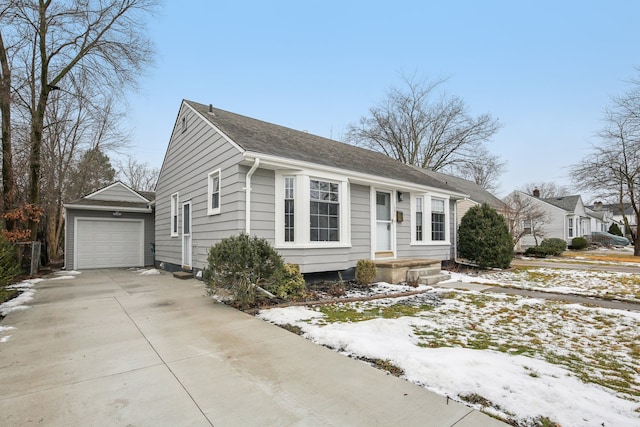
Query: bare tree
[[524, 217], [102, 40], [74, 125], [613, 168], [485, 170], [421, 128], [546, 189], [137, 175]]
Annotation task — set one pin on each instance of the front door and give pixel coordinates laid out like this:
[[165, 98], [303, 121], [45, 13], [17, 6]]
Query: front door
[[186, 235], [384, 227]]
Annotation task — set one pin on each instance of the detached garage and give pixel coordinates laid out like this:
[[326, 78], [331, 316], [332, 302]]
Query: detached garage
[[112, 227]]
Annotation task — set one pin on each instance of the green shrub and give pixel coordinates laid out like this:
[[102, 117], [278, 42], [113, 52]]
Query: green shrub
[[614, 229], [553, 246], [579, 243], [288, 283], [9, 265], [484, 238], [238, 263], [536, 251], [366, 271]]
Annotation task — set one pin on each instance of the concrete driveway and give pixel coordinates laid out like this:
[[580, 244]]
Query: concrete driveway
[[112, 347]]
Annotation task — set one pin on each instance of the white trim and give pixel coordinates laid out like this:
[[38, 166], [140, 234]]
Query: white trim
[[302, 212], [248, 189], [174, 212], [75, 235], [134, 192], [374, 220], [187, 261], [109, 208], [215, 128], [352, 176], [210, 175], [426, 220]]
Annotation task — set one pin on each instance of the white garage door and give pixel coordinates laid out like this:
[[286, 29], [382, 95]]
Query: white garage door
[[104, 243]]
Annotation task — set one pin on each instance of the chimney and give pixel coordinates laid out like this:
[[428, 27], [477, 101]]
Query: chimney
[[536, 193], [597, 206]]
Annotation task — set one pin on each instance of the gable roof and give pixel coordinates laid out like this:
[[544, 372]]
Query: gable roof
[[136, 201], [475, 192], [567, 203], [260, 137]]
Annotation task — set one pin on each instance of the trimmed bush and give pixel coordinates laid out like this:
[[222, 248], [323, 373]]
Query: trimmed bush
[[9, 265], [366, 271], [614, 229], [536, 251], [239, 263], [553, 246], [484, 238], [579, 243], [288, 283]]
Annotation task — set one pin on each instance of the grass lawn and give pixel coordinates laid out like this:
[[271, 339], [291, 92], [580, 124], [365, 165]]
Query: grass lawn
[[529, 361]]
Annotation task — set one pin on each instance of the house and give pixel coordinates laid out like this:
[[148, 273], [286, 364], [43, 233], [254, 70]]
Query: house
[[321, 203], [601, 217], [111, 227], [618, 215], [562, 217], [476, 194]]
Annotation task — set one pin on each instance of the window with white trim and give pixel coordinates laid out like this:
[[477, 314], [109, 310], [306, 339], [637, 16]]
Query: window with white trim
[[174, 214], [289, 209], [438, 220], [324, 211], [213, 197], [312, 210], [570, 227], [419, 236]]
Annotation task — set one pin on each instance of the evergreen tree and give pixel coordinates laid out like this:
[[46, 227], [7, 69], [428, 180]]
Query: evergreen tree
[[614, 229], [484, 238]]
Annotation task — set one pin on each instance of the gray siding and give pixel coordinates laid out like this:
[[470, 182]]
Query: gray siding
[[117, 193], [404, 249], [192, 154], [72, 214]]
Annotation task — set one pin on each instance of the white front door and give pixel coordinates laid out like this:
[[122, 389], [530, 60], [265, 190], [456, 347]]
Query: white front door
[[186, 235], [383, 222]]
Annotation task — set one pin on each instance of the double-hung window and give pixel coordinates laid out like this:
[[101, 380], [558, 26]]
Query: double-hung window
[[419, 219], [438, 222], [570, 227], [174, 214], [289, 209], [324, 210], [213, 198]]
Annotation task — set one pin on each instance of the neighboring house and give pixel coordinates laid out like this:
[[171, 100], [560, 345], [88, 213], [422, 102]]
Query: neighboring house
[[601, 217], [565, 217], [476, 194], [111, 227], [321, 203], [618, 217]]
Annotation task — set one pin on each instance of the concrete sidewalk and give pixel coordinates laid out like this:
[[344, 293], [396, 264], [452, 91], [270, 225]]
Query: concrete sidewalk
[[111, 347]]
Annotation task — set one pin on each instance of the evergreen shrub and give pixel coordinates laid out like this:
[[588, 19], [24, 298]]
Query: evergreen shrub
[[9, 265], [288, 283], [239, 263], [579, 243], [553, 246], [614, 229], [484, 238], [366, 271]]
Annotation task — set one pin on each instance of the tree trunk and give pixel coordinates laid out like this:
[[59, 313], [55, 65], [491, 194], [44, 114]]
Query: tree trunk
[[8, 183]]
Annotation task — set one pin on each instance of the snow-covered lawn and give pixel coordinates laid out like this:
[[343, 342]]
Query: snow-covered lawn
[[602, 284], [524, 359]]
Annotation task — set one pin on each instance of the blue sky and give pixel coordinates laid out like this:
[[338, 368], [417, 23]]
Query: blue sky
[[545, 69]]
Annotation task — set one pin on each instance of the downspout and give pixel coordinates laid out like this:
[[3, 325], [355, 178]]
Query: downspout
[[247, 189]]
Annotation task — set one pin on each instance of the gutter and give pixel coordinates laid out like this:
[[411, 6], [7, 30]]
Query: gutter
[[247, 189]]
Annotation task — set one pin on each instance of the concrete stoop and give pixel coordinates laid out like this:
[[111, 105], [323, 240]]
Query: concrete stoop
[[183, 275], [410, 270]]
